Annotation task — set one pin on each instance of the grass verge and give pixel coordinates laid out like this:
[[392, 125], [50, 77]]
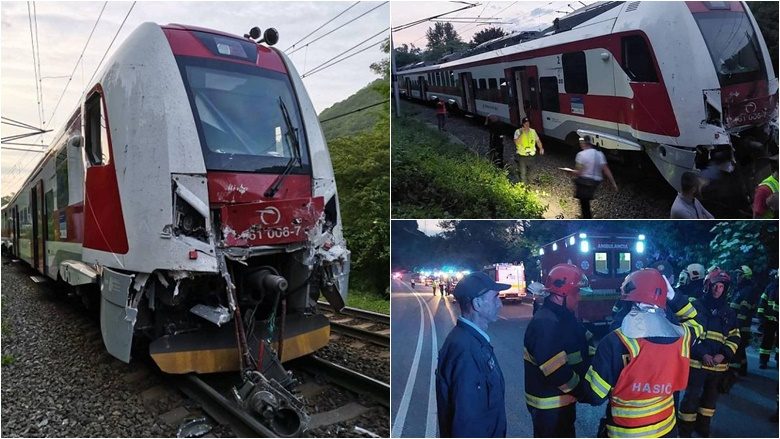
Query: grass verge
[[434, 178], [368, 301]]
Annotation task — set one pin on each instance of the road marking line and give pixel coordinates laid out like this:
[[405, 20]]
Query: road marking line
[[431, 421], [403, 408]]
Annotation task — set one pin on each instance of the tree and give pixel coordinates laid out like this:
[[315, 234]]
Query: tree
[[442, 39], [382, 68], [766, 15], [407, 54], [6, 199], [488, 34]]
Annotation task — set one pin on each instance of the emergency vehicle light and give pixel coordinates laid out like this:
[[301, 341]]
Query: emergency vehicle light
[[555, 246], [584, 246], [541, 251], [641, 237], [640, 247], [571, 240], [583, 235]]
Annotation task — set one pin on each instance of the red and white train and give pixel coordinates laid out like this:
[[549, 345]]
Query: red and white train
[[193, 195], [672, 80]]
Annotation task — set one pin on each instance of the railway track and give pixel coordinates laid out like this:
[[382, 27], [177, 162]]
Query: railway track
[[357, 323]]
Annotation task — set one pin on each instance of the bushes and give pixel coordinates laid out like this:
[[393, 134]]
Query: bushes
[[433, 178]]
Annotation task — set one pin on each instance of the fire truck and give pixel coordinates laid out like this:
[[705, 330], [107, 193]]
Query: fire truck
[[511, 274], [606, 259]]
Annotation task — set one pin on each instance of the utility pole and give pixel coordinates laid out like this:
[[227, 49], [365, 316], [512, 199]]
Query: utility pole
[[393, 77]]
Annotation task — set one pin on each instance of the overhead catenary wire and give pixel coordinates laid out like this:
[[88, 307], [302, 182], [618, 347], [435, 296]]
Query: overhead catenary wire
[[355, 111], [323, 25], [40, 72], [311, 72], [35, 64], [334, 30], [346, 51]]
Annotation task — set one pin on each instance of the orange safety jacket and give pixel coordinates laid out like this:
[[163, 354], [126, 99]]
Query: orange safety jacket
[[642, 400]]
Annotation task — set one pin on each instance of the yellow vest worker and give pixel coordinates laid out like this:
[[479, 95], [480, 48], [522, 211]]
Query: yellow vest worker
[[526, 141]]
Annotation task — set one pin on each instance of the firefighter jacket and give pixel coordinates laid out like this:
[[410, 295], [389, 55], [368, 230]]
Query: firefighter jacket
[[693, 289], [640, 376], [743, 302], [721, 333], [767, 306], [556, 355], [469, 386]]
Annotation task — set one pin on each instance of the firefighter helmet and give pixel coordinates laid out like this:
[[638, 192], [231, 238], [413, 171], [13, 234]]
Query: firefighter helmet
[[696, 271], [717, 276], [645, 286], [566, 280], [746, 271]]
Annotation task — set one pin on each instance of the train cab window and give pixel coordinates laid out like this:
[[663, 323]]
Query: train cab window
[[575, 73], [548, 86], [492, 84], [482, 84], [96, 131], [623, 263], [637, 61], [601, 264]]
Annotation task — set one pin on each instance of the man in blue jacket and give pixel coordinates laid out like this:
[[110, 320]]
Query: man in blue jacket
[[469, 381]]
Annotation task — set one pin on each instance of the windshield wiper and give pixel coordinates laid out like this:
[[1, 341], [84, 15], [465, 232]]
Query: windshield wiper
[[292, 139]]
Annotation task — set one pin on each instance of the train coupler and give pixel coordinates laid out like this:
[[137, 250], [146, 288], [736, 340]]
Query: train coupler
[[276, 406]]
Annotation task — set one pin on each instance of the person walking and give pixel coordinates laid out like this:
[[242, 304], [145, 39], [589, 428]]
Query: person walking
[[469, 381], [644, 361], [710, 356], [767, 320], [591, 167], [496, 141], [556, 354], [441, 115], [526, 142], [686, 205], [434, 284]]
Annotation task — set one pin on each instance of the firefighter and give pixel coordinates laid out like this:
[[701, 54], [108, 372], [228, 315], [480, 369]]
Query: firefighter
[[743, 302], [710, 355], [694, 273], [767, 319], [556, 354], [642, 364]]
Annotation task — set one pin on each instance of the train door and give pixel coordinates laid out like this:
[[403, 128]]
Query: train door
[[524, 86], [408, 86], [39, 227], [468, 92], [421, 84], [15, 231]]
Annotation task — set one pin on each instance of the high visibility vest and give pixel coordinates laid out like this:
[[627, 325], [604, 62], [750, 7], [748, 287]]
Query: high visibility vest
[[526, 142], [642, 401], [771, 183]]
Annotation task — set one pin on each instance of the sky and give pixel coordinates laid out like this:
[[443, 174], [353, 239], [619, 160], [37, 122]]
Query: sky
[[63, 29], [510, 16], [429, 226]]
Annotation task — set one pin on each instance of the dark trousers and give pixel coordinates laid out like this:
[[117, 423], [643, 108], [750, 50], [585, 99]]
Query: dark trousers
[[554, 422], [698, 405], [768, 342], [585, 207], [441, 119], [497, 152]]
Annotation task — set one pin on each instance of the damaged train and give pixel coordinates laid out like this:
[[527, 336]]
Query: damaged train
[[191, 196]]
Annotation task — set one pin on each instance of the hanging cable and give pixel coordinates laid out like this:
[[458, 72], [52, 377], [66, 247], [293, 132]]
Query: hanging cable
[[323, 25], [111, 44], [346, 51], [334, 30], [355, 111], [40, 72], [313, 71], [35, 64]]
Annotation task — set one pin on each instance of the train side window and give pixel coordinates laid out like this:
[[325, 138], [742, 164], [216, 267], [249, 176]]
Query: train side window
[[61, 173], [637, 62], [482, 84], [575, 73], [601, 264], [96, 138], [492, 84], [623, 263], [548, 86]]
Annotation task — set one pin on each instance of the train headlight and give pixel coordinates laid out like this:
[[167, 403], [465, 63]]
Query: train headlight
[[270, 36], [640, 247]]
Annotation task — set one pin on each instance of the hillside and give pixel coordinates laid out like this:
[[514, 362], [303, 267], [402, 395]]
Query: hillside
[[356, 122]]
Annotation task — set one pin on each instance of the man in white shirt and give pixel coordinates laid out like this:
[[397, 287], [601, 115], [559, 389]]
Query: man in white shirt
[[686, 206]]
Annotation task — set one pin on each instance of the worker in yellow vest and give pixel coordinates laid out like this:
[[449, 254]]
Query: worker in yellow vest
[[765, 197], [526, 141]]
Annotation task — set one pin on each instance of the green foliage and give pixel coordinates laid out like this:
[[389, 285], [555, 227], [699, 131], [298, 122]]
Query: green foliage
[[368, 301], [360, 121], [752, 243], [433, 178], [8, 360], [488, 34], [766, 15], [382, 67], [442, 39], [405, 55]]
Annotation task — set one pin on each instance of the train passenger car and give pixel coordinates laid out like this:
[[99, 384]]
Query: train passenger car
[[672, 81], [192, 196], [606, 260]]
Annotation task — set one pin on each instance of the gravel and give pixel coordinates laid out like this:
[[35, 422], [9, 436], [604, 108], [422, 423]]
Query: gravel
[[642, 194], [358, 355]]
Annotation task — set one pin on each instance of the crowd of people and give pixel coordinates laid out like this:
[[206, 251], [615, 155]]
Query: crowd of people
[[663, 339]]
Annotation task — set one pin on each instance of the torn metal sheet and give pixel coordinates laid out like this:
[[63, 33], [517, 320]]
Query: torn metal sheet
[[116, 328], [217, 315], [197, 427]]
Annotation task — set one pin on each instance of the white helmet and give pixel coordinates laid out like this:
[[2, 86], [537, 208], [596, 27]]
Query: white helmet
[[696, 271]]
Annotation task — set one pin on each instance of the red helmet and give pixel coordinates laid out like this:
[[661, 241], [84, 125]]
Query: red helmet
[[716, 275], [566, 280], [645, 286]]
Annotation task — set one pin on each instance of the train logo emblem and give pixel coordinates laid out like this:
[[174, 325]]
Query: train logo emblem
[[270, 216], [750, 107]]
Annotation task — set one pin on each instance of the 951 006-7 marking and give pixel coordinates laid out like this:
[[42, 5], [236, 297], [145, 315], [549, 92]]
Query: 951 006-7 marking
[[275, 232]]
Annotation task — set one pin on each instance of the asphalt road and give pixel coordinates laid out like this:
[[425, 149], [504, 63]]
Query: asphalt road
[[420, 323]]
